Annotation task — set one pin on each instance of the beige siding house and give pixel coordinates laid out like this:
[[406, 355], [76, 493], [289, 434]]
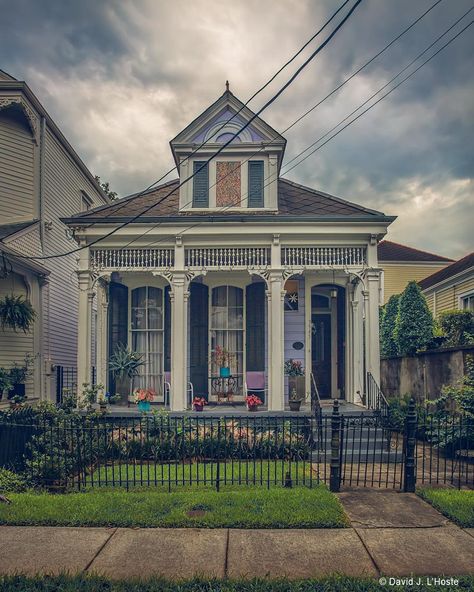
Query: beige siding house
[[42, 179], [402, 264], [452, 287]]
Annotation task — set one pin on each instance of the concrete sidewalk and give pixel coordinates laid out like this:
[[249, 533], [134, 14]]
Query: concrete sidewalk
[[392, 534]]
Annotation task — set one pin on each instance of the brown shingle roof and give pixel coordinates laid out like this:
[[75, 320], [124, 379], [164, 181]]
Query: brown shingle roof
[[451, 270], [390, 251], [294, 199]]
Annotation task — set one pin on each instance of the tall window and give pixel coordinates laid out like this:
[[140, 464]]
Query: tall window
[[227, 327], [467, 302], [147, 335]]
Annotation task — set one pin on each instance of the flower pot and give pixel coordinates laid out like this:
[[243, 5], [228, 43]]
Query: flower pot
[[103, 407], [144, 406], [224, 372], [198, 407], [294, 405], [297, 384], [252, 408]]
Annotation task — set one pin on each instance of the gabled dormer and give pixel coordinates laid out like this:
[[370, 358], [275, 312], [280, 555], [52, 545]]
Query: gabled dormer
[[244, 175]]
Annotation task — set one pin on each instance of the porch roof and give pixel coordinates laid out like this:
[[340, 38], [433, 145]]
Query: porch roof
[[295, 202]]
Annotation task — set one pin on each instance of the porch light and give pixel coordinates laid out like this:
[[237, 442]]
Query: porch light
[[333, 293]]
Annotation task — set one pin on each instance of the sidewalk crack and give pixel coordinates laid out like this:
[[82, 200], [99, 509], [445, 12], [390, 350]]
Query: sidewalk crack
[[226, 556], [368, 552], [100, 549]]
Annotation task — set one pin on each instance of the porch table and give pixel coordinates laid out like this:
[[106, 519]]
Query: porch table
[[224, 387]]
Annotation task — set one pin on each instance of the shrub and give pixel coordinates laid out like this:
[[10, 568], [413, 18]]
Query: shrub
[[12, 482], [457, 327], [388, 343], [414, 323]]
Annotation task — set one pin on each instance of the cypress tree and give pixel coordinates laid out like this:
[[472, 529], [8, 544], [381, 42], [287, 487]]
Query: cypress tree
[[414, 324], [388, 343]]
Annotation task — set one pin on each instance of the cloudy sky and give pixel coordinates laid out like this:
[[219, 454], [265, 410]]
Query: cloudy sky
[[121, 78]]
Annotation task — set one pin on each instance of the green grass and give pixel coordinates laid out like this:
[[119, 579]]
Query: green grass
[[329, 584], [458, 505], [178, 474], [237, 507]]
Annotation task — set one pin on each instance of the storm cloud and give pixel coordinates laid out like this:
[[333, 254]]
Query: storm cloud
[[122, 78]]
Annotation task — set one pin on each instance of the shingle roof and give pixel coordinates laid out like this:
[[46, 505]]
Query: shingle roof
[[390, 251], [7, 230], [294, 200], [463, 264]]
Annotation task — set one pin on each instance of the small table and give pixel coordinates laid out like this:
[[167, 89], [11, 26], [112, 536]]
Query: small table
[[224, 387]]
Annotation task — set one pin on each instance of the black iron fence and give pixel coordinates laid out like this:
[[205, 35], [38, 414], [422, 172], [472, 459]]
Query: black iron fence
[[160, 450]]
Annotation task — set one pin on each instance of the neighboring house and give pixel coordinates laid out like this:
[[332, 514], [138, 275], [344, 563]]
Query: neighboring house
[[238, 258], [41, 180], [451, 287], [401, 264]]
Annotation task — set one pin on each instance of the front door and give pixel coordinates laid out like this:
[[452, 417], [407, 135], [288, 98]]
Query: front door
[[321, 352]]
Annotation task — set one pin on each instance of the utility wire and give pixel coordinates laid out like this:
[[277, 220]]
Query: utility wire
[[221, 148]]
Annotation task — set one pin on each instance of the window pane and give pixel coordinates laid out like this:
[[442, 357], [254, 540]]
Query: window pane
[[236, 296], [236, 318], [155, 318], [219, 318], [139, 297], [138, 318], [219, 296], [154, 298]]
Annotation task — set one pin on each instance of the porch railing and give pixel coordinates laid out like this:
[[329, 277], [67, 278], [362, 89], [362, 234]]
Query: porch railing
[[375, 399], [227, 257], [323, 256], [132, 258]]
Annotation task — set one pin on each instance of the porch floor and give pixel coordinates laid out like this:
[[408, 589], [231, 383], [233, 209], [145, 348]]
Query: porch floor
[[219, 410]]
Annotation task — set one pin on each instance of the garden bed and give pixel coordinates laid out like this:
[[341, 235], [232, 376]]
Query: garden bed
[[457, 505], [234, 507]]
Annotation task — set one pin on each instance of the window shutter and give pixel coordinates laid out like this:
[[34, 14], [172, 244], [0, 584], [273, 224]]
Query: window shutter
[[199, 337], [255, 174], [255, 327], [167, 331], [201, 185], [118, 322]]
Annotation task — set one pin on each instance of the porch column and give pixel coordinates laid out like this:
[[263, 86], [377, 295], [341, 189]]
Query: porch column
[[372, 324], [102, 332], [83, 331], [276, 295], [179, 323]]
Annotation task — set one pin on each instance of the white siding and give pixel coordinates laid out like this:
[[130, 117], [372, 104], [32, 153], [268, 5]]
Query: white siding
[[17, 153]]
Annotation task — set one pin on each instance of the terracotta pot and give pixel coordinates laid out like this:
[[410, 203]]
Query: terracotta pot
[[198, 407], [294, 405], [252, 407]]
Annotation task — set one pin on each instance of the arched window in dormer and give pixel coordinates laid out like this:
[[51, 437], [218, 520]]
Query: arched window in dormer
[[225, 137]]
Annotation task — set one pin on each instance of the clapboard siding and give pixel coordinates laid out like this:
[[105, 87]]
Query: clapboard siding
[[15, 345], [447, 298], [63, 182], [295, 331], [17, 165], [397, 275]]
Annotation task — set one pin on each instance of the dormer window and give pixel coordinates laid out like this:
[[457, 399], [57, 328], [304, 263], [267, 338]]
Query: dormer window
[[255, 189]]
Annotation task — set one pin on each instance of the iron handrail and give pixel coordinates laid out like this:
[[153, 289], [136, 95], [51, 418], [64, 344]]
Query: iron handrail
[[315, 398], [376, 400]]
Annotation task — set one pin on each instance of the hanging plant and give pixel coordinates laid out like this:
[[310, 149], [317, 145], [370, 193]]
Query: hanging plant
[[17, 313]]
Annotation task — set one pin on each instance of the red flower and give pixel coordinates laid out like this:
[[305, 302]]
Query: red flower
[[253, 400]]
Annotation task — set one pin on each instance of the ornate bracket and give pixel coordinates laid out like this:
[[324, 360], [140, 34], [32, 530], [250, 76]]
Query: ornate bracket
[[30, 115]]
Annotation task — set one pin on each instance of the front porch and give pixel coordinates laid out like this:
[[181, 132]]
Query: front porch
[[319, 308]]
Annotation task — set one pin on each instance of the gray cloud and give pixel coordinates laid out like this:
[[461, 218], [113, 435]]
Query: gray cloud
[[122, 78]]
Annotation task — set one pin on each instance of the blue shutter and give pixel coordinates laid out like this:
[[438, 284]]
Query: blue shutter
[[198, 337], [255, 170], [201, 185], [255, 327]]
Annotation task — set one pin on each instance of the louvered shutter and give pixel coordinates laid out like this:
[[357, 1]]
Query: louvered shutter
[[167, 331], [118, 322], [255, 327], [199, 337], [255, 174], [201, 185]]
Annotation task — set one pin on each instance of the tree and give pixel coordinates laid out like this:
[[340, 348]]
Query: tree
[[457, 327], [414, 324], [106, 189], [388, 343]]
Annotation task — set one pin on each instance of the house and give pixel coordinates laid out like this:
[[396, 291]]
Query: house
[[401, 264], [451, 287], [237, 257], [41, 180]]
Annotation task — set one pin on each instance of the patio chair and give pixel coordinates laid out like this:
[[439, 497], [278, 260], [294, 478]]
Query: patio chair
[[255, 384]]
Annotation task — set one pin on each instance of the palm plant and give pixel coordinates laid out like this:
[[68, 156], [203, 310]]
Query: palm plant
[[125, 363], [17, 313]]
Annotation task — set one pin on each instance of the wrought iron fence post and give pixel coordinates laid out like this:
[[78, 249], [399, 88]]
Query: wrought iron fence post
[[410, 443], [335, 477]]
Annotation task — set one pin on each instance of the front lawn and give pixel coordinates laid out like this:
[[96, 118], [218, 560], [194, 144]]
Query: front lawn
[[234, 507], [458, 505], [330, 584]]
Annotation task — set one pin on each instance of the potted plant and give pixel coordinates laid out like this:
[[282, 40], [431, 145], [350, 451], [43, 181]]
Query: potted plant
[[125, 364], [17, 401], [296, 381], [253, 402], [143, 397], [17, 313], [91, 393], [103, 401], [18, 377], [295, 400], [223, 358], [198, 403]]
